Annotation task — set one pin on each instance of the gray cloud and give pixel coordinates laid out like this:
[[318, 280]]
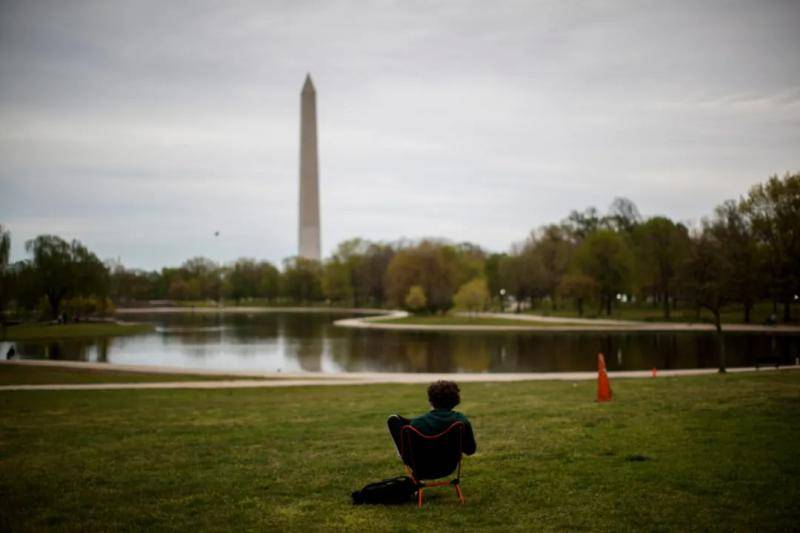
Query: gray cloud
[[142, 127]]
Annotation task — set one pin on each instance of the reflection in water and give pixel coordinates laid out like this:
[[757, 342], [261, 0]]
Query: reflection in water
[[309, 342], [92, 350], [201, 329], [472, 353], [306, 342]]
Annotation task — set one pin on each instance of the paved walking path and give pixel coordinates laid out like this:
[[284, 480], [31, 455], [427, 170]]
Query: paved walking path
[[276, 379], [614, 325], [541, 323], [535, 322]]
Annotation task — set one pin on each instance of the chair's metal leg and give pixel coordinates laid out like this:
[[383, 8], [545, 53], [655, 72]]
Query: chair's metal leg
[[460, 494], [419, 502]]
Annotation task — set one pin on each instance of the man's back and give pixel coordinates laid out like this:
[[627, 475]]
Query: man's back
[[437, 420]]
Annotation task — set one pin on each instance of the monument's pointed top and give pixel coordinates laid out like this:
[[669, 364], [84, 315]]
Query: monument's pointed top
[[308, 86]]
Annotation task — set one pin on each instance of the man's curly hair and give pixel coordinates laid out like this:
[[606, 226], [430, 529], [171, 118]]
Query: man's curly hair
[[444, 394]]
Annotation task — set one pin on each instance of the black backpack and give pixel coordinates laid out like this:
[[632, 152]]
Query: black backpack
[[389, 491]]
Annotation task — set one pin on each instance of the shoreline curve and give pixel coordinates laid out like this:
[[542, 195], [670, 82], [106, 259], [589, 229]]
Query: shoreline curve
[[575, 325]]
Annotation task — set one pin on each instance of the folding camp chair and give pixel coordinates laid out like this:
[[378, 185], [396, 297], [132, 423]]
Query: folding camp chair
[[433, 457]]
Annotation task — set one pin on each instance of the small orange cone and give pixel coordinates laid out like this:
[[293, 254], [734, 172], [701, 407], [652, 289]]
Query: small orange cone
[[603, 386], [654, 371]]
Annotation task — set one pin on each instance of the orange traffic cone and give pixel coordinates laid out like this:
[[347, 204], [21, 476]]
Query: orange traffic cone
[[654, 371], [603, 386]]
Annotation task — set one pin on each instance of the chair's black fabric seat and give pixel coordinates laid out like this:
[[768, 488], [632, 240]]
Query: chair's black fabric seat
[[432, 456]]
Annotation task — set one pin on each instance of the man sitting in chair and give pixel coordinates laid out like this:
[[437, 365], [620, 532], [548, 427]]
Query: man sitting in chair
[[443, 397]]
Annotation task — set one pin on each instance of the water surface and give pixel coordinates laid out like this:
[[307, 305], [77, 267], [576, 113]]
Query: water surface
[[298, 342]]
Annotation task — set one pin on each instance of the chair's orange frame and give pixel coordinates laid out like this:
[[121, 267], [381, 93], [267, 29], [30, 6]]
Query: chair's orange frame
[[456, 482]]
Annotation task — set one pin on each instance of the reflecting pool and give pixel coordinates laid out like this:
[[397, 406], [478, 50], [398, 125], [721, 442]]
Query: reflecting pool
[[297, 342]]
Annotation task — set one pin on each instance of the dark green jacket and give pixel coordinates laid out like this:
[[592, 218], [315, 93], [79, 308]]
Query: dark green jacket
[[437, 420]]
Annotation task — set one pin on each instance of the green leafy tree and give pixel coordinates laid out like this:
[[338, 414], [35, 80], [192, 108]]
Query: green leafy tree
[[472, 296], [523, 274], [87, 306], [268, 281], [554, 250], [64, 269], [661, 246], [204, 277], [773, 209], [302, 280], [24, 286], [494, 280], [579, 287], [579, 225], [511, 277], [709, 280], [131, 285], [371, 274], [741, 252], [430, 264], [606, 257], [166, 278], [623, 216], [243, 279], [470, 259], [179, 289], [348, 274], [415, 299], [337, 281]]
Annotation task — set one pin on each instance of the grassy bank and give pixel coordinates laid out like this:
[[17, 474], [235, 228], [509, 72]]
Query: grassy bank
[[24, 332], [13, 374], [456, 320], [701, 453]]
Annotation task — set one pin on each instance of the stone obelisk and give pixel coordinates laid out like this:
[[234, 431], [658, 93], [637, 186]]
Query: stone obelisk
[[309, 174]]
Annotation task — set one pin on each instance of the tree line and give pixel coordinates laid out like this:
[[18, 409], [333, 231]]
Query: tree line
[[745, 252]]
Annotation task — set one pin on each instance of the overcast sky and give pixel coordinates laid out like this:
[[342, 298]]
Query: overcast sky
[[141, 128]]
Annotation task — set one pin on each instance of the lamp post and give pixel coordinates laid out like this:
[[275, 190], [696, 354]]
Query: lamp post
[[502, 300]]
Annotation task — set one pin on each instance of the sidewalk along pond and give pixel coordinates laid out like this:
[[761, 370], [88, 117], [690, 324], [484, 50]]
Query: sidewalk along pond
[[297, 341]]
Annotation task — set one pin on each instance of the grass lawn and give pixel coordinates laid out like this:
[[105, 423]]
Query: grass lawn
[[38, 375], [24, 332], [720, 453], [453, 320]]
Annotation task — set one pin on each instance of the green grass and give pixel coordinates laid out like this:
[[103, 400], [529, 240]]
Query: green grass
[[70, 331], [721, 455], [12, 374], [454, 320], [730, 315]]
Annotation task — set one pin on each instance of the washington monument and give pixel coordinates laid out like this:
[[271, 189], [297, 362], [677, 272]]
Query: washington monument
[[309, 174]]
